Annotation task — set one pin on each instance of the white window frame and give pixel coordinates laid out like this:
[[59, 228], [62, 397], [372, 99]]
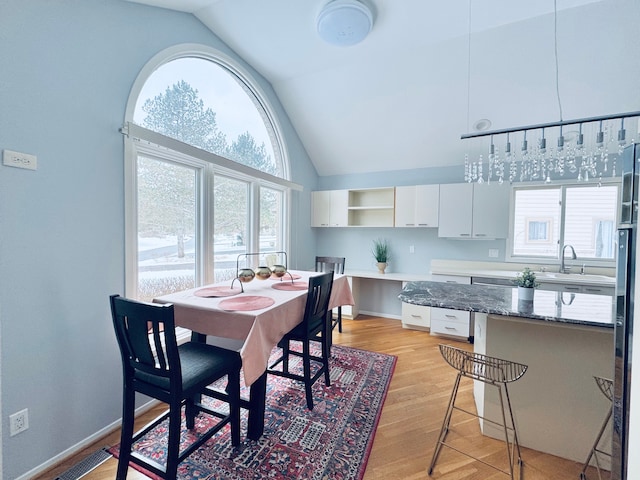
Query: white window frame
[[138, 140], [547, 260]]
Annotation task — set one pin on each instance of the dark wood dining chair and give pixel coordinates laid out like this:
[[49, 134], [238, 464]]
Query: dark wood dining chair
[[336, 265], [315, 327], [153, 364]]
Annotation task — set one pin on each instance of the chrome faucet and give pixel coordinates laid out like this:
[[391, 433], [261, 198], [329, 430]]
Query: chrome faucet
[[564, 269]]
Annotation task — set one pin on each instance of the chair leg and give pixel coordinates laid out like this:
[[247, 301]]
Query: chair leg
[[328, 331], [190, 411], [340, 319], [126, 434], [173, 446], [326, 353], [306, 362], [516, 442], [594, 449], [445, 424]]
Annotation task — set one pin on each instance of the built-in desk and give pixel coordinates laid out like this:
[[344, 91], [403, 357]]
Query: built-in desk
[[358, 277], [565, 339]]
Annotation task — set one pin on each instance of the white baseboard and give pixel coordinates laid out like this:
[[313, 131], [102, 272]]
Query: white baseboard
[[378, 314]]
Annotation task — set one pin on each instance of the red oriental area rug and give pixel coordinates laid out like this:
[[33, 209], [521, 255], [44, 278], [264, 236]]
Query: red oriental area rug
[[332, 441]]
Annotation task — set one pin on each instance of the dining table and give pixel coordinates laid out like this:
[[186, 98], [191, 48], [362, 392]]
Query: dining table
[[250, 317]]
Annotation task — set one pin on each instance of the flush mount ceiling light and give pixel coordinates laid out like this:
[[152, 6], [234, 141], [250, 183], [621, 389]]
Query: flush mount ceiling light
[[344, 22]]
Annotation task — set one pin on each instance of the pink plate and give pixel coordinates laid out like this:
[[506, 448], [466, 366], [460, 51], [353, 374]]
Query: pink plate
[[246, 303], [286, 276], [222, 291], [288, 285]]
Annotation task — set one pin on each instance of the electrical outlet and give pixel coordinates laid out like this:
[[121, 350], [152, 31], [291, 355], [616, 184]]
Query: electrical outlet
[[493, 253], [18, 422], [19, 160], [412, 249]]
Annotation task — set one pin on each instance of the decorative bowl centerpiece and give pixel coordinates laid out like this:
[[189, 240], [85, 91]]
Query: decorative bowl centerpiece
[[245, 275], [279, 270], [262, 273]]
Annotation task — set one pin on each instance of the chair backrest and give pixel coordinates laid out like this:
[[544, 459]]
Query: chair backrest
[[317, 306], [147, 340], [329, 264]]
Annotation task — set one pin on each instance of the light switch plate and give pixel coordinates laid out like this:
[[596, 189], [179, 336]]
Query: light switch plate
[[19, 160]]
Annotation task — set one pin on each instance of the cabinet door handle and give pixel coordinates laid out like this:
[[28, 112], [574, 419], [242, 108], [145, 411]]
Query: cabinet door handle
[[571, 289], [423, 224], [450, 328], [416, 316], [593, 289], [409, 224], [465, 234], [451, 316]]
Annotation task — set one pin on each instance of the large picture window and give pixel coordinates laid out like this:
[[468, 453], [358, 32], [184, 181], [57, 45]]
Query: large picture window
[[203, 167], [167, 227], [546, 218]]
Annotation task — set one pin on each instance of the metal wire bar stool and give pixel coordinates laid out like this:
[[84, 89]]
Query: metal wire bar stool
[[606, 387], [492, 371]]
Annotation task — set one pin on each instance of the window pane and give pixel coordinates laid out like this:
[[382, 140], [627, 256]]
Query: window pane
[[536, 229], [166, 227], [271, 230], [230, 225], [204, 104], [590, 219]]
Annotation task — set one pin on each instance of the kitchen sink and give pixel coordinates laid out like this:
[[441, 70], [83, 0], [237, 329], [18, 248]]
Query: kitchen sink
[[575, 277]]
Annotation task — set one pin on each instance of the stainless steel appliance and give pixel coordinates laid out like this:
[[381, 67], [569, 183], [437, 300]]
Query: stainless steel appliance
[[625, 286]]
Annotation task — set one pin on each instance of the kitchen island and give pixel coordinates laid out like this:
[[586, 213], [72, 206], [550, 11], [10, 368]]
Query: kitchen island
[[565, 339]]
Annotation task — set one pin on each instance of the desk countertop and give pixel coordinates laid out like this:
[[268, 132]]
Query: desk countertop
[[560, 307], [398, 277]]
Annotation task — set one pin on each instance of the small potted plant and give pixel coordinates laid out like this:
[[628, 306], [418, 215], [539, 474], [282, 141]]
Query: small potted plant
[[380, 252], [526, 281]]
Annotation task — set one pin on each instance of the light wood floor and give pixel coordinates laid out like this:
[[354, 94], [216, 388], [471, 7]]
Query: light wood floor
[[411, 417]]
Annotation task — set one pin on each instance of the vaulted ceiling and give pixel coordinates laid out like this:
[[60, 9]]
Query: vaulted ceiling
[[430, 70]]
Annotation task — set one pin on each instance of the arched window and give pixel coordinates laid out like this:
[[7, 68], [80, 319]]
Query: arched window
[[201, 102], [207, 175]]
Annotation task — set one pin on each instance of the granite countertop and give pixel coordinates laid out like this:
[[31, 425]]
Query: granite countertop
[[573, 308]]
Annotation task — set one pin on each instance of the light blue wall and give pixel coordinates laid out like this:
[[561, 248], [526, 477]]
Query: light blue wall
[[418, 176], [68, 66], [355, 244]]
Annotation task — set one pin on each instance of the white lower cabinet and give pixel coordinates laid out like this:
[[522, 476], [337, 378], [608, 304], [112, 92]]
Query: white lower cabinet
[[416, 316], [453, 323]]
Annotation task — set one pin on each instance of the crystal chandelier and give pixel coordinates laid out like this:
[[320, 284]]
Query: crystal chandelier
[[574, 157]]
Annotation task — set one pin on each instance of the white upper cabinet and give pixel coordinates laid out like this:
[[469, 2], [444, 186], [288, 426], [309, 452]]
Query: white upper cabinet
[[469, 210], [417, 206], [459, 210], [456, 214], [330, 208], [490, 210]]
